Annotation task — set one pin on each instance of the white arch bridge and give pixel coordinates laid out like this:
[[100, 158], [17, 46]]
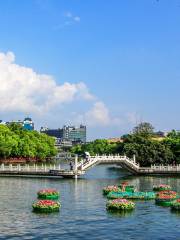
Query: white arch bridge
[[91, 161], [80, 167]]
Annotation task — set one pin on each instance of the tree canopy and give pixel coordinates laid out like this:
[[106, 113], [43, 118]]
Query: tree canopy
[[140, 142], [144, 129], [17, 142]]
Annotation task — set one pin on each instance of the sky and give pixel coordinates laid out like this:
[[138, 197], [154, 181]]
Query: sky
[[109, 64]]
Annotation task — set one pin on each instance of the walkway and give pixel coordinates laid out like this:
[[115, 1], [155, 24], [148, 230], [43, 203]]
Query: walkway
[[81, 167]]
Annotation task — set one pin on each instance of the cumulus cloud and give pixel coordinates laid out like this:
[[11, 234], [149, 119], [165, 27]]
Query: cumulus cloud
[[99, 114], [22, 89]]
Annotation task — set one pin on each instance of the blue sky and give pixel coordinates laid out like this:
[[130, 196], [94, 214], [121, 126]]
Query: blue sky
[[110, 63]]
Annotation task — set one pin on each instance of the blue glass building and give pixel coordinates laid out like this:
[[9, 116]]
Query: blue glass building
[[28, 124]]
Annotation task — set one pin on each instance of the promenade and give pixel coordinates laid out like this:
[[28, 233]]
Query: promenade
[[81, 167]]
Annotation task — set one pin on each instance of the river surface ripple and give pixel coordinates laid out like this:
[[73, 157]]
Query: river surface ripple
[[83, 213]]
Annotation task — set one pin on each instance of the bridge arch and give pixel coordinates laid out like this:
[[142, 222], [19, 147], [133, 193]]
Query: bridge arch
[[124, 161]]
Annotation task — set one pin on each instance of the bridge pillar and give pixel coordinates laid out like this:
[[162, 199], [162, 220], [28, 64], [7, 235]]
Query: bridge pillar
[[10, 166], [2, 166], [134, 158], [19, 167]]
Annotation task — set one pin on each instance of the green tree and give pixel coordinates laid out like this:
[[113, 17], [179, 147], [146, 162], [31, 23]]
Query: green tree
[[17, 142], [145, 129]]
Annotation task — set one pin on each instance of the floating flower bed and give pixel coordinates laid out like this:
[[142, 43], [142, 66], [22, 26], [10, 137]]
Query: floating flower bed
[[120, 204], [46, 206], [109, 189], [132, 195], [161, 187], [167, 193], [176, 205], [166, 198], [126, 188], [50, 194]]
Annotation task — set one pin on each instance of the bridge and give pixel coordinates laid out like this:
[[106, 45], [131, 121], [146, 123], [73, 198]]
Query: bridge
[[80, 167], [124, 161]]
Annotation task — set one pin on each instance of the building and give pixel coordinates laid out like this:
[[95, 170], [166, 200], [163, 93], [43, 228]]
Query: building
[[2, 123], [20, 122], [75, 134], [160, 134], [28, 124], [115, 140], [67, 134], [57, 133]]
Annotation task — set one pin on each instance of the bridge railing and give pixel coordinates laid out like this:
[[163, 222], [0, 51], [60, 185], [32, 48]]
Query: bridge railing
[[107, 158], [166, 168], [29, 168]]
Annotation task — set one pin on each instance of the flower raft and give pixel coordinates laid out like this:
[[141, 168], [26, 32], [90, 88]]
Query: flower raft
[[49, 194], [132, 195], [125, 187], [109, 189], [120, 204], [161, 187], [166, 198], [46, 206]]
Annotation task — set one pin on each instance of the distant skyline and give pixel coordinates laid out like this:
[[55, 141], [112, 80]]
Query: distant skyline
[[106, 64]]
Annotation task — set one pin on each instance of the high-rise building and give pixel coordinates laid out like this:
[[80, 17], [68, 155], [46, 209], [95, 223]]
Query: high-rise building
[[67, 133], [75, 134], [57, 133]]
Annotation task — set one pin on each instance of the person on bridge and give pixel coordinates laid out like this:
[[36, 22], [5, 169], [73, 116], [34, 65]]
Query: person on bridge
[[71, 165]]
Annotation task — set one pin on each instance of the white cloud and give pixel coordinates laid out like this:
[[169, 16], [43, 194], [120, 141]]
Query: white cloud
[[22, 89], [68, 14], [99, 114], [72, 18], [69, 20], [77, 19]]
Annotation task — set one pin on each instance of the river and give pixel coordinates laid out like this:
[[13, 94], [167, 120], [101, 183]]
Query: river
[[83, 213]]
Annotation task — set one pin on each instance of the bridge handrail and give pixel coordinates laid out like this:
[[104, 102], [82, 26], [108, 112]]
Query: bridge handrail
[[29, 168]]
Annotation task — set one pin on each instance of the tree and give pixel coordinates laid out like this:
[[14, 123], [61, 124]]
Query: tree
[[149, 152], [173, 142], [144, 128], [17, 142]]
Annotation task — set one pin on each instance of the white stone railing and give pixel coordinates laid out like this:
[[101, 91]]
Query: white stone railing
[[165, 168], [29, 168]]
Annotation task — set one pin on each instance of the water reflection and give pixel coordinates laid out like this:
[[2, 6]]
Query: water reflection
[[83, 214], [120, 214]]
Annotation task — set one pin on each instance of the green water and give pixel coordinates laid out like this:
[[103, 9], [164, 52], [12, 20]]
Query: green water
[[83, 213]]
